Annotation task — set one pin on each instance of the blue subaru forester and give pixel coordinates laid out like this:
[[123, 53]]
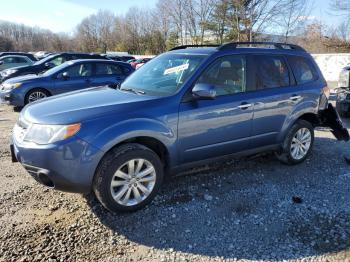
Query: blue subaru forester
[[186, 107]]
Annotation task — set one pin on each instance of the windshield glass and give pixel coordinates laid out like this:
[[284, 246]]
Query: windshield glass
[[163, 75], [56, 69], [44, 60]]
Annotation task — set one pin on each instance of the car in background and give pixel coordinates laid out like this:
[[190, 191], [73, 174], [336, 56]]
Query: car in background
[[139, 61], [119, 58], [343, 92], [69, 76], [187, 107], [42, 54], [44, 64], [11, 61], [30, 56]]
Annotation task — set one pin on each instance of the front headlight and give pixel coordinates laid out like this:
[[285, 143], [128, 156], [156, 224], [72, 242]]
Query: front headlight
[[8, 72], [341, 96], [8, 86], [47, 134]]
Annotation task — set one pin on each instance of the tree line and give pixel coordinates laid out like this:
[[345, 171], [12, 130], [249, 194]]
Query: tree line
[[178, 22]]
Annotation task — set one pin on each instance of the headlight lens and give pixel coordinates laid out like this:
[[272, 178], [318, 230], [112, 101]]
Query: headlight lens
[[47, 134], [8, 86], [9, 72], [341, 96]]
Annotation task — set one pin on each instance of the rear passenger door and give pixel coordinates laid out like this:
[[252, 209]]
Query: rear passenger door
[[109, 74], [276, 96]]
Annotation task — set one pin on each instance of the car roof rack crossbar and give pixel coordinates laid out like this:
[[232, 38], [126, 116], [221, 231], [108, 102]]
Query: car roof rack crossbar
[[192, 46], [283, 46]]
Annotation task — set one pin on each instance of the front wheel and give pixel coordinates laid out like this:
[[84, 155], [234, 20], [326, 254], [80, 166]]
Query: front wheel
[[298, 143], [128, 178], [36, 94]]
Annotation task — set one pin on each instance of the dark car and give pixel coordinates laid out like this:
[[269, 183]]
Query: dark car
[[45, 64], [343, 94], [187, 107], [120, 58], [69, 76], [30, 56]]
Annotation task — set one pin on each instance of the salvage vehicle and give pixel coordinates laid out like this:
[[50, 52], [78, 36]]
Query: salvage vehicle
[[186, 107], [11, 61], [70, 76], [343, 94], [44, 64]]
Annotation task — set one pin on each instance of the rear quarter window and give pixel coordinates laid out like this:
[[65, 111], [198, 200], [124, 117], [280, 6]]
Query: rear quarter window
[[303, 69]]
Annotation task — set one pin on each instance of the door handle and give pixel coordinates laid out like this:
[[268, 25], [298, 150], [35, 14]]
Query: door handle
[[294, 97], [244, 105]]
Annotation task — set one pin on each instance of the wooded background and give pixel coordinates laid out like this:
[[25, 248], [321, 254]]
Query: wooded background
[[176, 22]]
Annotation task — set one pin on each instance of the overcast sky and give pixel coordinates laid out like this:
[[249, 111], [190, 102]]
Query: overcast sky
[[64, 15]]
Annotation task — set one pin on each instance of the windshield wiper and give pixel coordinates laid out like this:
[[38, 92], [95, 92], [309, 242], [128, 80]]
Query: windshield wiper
[[136, 91]]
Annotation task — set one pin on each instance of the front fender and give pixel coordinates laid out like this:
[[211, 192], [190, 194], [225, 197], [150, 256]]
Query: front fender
[[114, 134], [307, 107]]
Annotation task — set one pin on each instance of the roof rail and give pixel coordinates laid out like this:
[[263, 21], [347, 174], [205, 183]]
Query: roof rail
[[191, 46], [233, 45]]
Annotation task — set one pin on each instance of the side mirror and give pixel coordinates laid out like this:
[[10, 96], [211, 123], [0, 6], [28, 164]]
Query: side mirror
[[65, 76], [204, 91]]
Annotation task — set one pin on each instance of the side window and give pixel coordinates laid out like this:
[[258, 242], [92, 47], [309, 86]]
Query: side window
[[58, 60], [20, 60], [81, 70], [271, 71], [226, 74], [304, 71], [108, 69], [8, 60]]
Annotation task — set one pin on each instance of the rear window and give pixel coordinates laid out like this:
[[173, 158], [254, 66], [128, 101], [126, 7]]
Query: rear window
[[271, 72], [303, 70]]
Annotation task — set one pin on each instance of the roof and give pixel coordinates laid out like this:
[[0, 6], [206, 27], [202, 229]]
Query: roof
[[240, 47]]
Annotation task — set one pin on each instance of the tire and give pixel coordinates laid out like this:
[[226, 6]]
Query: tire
[[114, 167], [36, 91], [289, 147]]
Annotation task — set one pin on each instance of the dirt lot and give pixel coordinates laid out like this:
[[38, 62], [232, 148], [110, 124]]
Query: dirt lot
[[240, 210]]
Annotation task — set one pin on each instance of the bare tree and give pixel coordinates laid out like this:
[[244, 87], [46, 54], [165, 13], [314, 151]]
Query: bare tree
[[293, 14]]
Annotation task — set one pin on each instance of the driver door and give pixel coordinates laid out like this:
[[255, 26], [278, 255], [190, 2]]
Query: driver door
[[73, 78], [211, 128]]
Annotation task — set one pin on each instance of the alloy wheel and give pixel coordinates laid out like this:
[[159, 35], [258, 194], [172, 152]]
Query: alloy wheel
[[133, 182], [300, 143], [34, 96]]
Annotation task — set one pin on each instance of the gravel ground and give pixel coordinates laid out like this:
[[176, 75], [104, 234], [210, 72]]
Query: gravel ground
[[248, 209]]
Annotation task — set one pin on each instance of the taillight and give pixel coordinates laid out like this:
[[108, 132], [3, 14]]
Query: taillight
[[326, 91]]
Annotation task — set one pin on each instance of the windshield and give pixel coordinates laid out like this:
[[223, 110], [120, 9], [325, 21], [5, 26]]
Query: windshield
[[56, 69], [44, 60], [163, 75]]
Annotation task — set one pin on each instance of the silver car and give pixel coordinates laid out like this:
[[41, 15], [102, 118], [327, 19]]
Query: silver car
[[11, 61]]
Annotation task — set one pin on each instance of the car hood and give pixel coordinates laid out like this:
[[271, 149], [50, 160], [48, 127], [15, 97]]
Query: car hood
[[21, 79], [83, 105]]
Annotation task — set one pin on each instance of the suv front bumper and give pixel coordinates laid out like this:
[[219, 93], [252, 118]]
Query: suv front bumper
[[67, 166]]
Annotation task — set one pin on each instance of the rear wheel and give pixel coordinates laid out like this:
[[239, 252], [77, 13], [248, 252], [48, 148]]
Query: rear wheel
[[36, 94], [128, 178], [297, 144]]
